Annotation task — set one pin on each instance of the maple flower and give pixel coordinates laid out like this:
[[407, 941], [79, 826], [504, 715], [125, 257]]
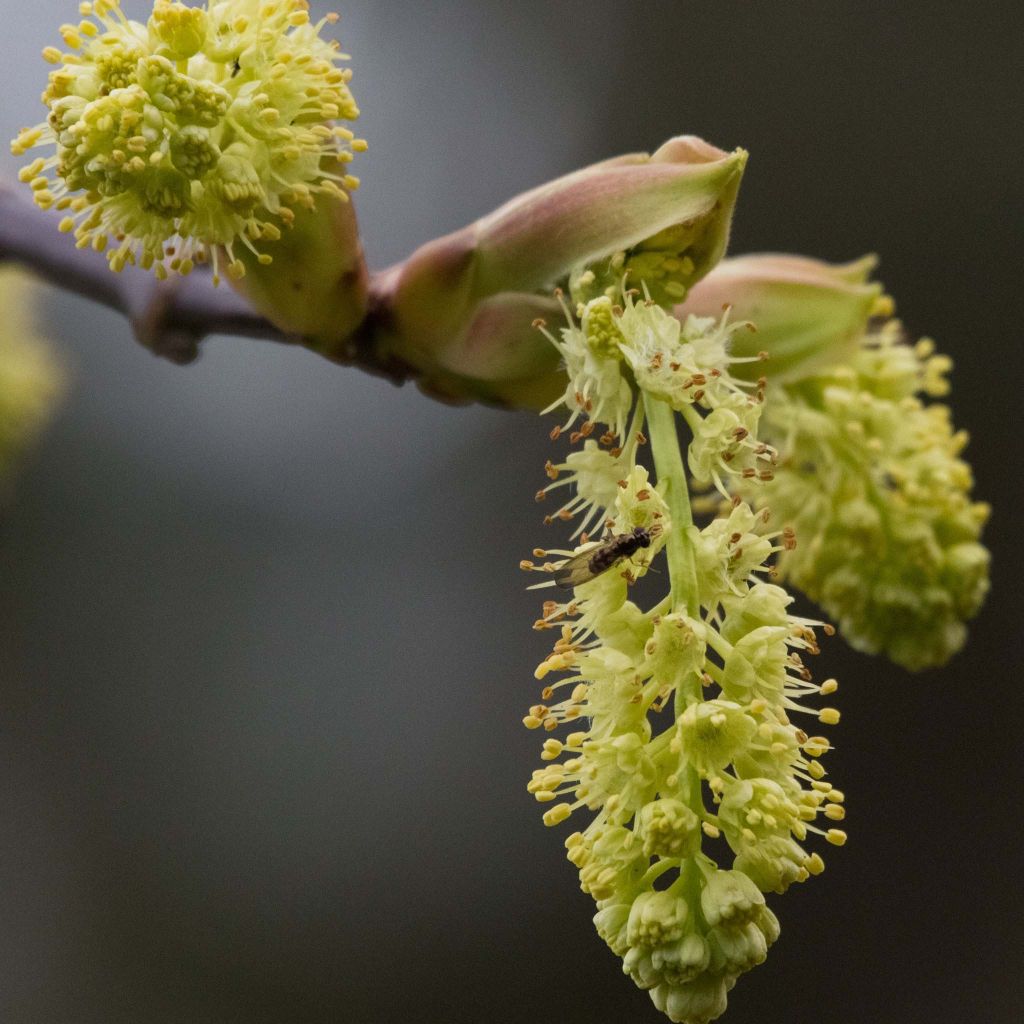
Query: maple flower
[[684, 747], [871, 478], [196, 136]]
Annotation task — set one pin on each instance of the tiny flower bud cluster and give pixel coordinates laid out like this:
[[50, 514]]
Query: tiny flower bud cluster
[[203, 130], [683, 742], [872, 481], [668, 264]]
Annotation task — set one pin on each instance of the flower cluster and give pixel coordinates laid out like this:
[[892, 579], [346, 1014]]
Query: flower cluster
[[683, 744], [193, 137], [667, 263], [872, 481], [30, 378], [684, 364]]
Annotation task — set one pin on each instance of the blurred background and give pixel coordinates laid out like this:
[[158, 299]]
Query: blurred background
[[264, 648]]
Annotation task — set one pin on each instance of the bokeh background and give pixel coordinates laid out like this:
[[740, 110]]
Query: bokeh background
[[264, 648]]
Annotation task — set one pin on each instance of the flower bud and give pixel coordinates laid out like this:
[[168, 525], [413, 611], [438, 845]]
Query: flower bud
[[177, 31], [317, 286], [669, 829], [702, 1000], [712, 732], [808, 314], [737, 950], [730, 898], [608, 862], [656, 918], [683, 961], [611, 924], [773, 864], [463, 305]]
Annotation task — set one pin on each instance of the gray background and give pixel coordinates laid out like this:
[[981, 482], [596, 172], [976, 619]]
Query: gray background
[[263, 644]]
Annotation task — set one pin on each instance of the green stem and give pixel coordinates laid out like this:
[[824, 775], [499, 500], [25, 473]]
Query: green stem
[[682, 569], [668, 465]]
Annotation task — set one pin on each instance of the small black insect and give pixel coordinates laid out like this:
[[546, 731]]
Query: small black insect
[[591, 563]]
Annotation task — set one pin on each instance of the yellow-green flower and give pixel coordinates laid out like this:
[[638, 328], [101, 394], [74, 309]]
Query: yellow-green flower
[[195, 136]]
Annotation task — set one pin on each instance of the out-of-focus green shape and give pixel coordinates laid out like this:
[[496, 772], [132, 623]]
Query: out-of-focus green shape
[[31, 378], [808, 314]]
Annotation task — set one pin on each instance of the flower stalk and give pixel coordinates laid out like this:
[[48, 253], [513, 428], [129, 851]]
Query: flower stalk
[[668, 465]]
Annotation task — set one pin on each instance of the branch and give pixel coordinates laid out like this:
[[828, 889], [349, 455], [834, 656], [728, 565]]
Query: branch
[[170, 318], [495, 356]]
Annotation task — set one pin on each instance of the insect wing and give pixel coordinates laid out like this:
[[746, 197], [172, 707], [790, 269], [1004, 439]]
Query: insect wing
[[576, 570]]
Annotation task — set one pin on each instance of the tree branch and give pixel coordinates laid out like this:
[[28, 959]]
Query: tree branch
[[170, 318]]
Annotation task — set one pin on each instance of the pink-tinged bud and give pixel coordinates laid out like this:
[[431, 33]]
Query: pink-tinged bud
[[461, 308], [316, 287], [808, 314]]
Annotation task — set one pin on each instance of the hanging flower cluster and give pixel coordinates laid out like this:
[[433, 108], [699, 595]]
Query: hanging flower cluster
[[870, 475], [872, 481], [686, 746], [202, 131]]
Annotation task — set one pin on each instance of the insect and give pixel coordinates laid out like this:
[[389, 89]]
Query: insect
[[589, 564]]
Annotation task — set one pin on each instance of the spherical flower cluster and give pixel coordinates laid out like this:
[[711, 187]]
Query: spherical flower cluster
[[872, 481], [30, 377], [682, 743], [193, 137]]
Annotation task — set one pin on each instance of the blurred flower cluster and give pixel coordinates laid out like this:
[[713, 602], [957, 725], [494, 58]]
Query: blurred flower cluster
[[872, 480], [31, 379]]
